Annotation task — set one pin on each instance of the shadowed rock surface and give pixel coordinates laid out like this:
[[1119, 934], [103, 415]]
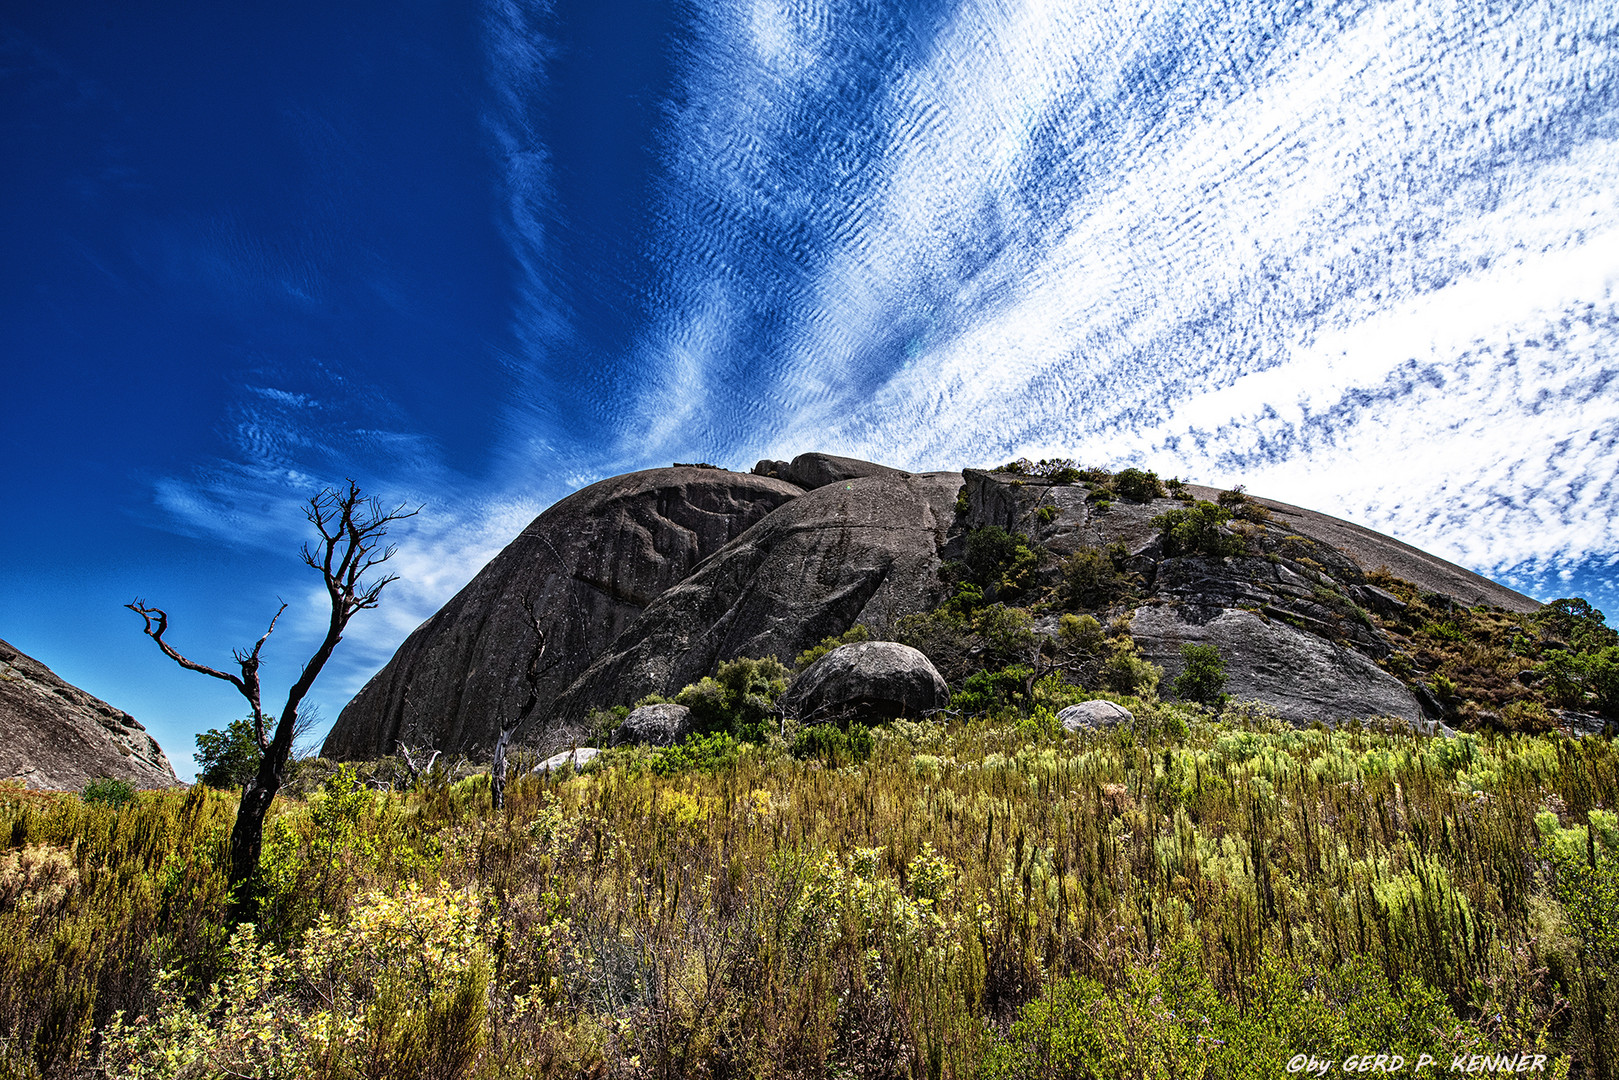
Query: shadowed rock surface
[[882, 679], [56, 737], [591, 563], [866, 550]]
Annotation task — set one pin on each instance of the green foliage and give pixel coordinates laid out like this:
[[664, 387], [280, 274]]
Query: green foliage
[[1058, 470], [1094, 578], [1000, 563], [833, 744], [1576, 622], [1127, 672], [989, 690], [1138, 485], [1199, 529], [857, 633], [1169, 1020], [1203, 679], [403, 979], [109, 792], [1582, 680], [1178, 897], [697, 752], [966, 635], [227, 758], [739, 698]]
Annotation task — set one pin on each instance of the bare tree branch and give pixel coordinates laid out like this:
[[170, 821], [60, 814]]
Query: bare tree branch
[[247, 684], [351, 528]]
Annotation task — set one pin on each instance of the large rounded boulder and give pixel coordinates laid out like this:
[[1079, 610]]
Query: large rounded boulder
[[871, 678], [589, 565], [865, 550]]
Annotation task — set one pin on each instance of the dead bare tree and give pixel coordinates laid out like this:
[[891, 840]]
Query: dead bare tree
[[531, 674], [351, 529]]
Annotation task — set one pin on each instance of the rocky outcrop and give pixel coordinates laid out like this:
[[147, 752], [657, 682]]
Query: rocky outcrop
[[1063, 518], [1094, 714], [646, 582], [874, 679], [56, 737], [1291, 617], [810, 471], [865, 550], [654, 725], [1305, 677], [591, 564]]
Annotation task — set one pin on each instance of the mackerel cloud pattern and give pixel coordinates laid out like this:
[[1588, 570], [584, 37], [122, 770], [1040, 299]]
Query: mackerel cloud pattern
[[1361, 256]]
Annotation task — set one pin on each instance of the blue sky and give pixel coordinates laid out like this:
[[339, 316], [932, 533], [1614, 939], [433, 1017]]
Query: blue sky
[[1360, 256]]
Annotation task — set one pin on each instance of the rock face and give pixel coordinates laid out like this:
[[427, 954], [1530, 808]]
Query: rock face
[[56, 737], [875, 678], [646, 582], [591, 563], [654, 725], [1287, 622], [1303, 676], [866, 550], [1094, 714], [810, 471], [1019, 504]]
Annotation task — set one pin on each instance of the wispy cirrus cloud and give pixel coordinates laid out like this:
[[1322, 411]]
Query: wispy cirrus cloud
[[1354, 255]]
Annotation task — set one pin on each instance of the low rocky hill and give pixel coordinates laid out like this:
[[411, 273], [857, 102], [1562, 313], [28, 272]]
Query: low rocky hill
[[647, 581], [54, 736]]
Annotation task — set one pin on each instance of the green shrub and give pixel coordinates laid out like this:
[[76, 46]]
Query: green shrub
[[1203, 678], [1138, 485], [999, 562], [1165, 1018], [1058, 470], [108, 792], [1127, 672], [1199, 529], [833, 744], [709, 752], [227, 758], [988, 690], [856, 633], [739, 698], [1093, 578]]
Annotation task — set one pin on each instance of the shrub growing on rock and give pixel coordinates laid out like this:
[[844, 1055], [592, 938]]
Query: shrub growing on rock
[[1138, 485], [1203, 679], [1093, 578], [1199, 529]]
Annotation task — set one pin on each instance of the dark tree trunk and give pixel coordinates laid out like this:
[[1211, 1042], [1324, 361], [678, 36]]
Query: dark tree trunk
[[497, 768]]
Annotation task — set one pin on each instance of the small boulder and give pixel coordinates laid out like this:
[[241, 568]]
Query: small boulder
[[883, 678], [654, 725], [568, 759], [1094, 714]]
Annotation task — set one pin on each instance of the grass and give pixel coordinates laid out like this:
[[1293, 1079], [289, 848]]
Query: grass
[[1183, 897]]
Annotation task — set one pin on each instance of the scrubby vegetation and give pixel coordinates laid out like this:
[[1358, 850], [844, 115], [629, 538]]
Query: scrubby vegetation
[[983, 898], [1496, 669]]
